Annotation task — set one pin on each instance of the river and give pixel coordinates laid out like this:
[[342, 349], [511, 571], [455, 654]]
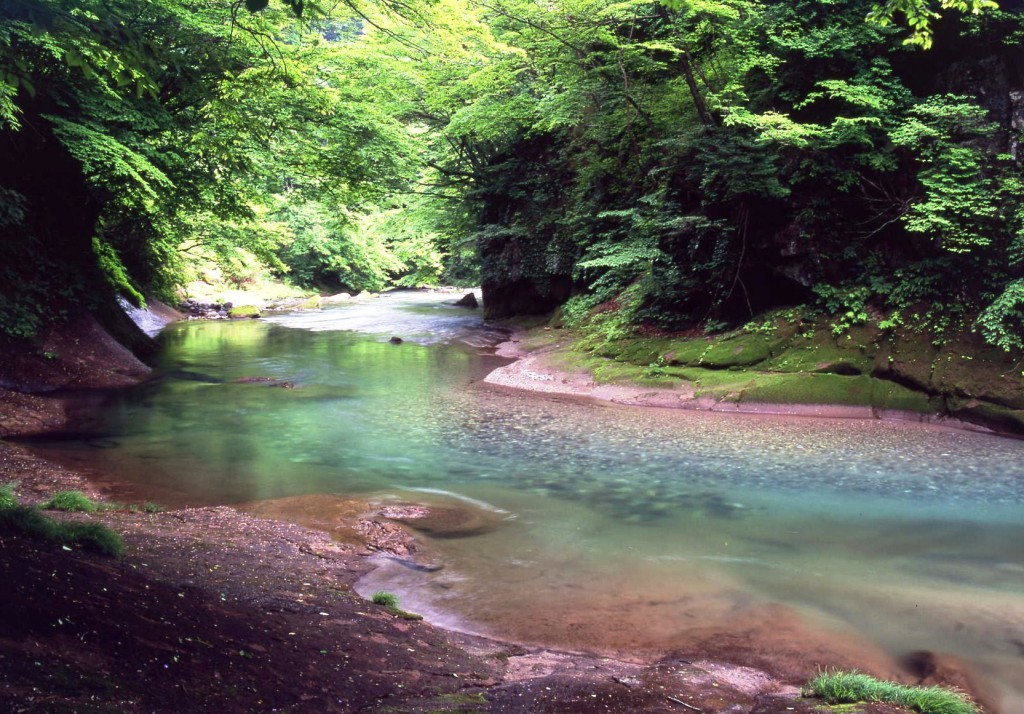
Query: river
[[612, 528]]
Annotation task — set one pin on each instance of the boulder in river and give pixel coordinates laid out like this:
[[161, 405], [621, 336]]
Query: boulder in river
[[467, 300], [242, 311], [336, 299]]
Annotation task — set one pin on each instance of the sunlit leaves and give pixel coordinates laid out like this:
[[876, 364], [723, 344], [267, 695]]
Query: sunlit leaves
[[919, 15]]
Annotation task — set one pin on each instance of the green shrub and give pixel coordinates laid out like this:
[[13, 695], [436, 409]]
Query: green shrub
[[70, 501], [853, 687]]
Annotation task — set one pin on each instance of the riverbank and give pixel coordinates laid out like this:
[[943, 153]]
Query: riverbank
[[216, 608], [790, 375]]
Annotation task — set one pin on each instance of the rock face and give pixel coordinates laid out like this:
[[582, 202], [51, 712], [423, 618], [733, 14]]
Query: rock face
[[77, 354], [467, 300]]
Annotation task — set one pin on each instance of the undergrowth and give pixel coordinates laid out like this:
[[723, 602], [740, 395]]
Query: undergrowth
[[31, 522], [390, 601], [853, 687], [71, 502]]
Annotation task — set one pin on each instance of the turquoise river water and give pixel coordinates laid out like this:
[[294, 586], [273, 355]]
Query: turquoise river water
[[615, 528]]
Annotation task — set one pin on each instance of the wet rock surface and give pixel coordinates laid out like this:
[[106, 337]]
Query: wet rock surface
[[442, 521]]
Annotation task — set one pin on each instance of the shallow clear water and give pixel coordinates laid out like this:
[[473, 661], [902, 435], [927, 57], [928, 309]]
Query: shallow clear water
[[615, 527]]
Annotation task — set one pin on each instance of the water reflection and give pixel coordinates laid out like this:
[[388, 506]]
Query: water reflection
[[662, 529]]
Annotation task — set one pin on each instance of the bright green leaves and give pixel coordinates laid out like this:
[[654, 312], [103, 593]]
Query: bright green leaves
[[1002, 322], [919, 15], [961, 202], [110, 164]]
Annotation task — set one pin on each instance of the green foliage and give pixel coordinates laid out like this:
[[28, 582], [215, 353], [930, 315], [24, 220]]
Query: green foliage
[[1002, 322], [960, 208], [388, 600], [71, 501], [676, 165], [919, 15], [7, 497], [848, 307], [852, 687], [90, 536]]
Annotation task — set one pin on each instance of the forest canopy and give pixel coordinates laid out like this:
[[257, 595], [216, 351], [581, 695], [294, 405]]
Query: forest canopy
[[691, 164]]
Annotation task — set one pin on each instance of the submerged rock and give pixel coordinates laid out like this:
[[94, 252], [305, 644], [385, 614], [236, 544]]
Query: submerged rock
[[443, 521], [269, 381]]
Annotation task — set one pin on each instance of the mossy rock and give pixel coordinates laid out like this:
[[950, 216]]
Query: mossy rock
[[806, 388], [890, 395], [969, 368], [724, 385], [818, 388], [908, 356], [993, 416], [612, 371], [311, 303], [639, 350], [825, 354], [742, 350], [685, 352], [244, 311]]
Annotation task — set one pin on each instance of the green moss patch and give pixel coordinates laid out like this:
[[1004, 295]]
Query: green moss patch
[[742, 350], [990, 415], [824, 353], [244, 311]]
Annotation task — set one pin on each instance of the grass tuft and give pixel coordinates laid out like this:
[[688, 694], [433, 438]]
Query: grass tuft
[[93, 536], [33, 523], [150, 507], [386, 599], [852, 687], [7, 497], [70, 501], [390, 601]]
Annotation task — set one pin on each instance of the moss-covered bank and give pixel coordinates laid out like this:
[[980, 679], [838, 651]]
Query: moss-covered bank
[[788, 360]]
